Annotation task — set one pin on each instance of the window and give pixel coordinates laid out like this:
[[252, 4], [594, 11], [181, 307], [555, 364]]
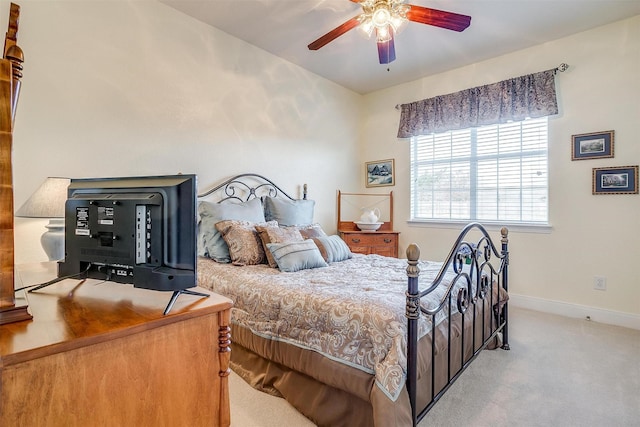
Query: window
[[490, 173]]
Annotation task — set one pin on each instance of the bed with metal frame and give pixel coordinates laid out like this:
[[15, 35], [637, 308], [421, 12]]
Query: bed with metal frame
[[469, 315]]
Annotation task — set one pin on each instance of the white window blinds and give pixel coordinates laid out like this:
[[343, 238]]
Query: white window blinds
[[490, 173]]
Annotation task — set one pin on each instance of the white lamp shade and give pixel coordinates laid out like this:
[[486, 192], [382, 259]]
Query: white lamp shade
[[47, 201]]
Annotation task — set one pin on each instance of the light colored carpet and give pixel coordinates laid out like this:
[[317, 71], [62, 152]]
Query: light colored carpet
[[559, 372]]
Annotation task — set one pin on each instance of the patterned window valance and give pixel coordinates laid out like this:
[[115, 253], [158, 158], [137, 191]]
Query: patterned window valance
[[533, 95]]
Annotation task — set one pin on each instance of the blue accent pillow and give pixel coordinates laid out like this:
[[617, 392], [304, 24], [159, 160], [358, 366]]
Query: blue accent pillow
[[289, 212], [295, 256], [210, 242], [332, 248]]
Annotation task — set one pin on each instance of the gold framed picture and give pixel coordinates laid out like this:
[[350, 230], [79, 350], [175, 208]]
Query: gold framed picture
[[380, 173]]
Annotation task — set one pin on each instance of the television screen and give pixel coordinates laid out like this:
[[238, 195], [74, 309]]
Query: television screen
[[137, 230]]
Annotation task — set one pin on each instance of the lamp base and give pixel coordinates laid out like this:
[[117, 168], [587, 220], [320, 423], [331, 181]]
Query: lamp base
[[53, 239]]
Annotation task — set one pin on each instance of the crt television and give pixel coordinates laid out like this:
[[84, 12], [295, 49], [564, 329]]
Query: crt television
[[137, 230]]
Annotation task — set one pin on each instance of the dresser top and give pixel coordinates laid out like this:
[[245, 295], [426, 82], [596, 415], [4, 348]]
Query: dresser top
[[74, 313]]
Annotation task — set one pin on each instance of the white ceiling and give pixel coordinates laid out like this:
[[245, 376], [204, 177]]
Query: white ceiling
[[286, 27]]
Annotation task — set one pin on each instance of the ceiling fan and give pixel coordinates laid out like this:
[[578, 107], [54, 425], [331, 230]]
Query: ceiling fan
[[386, 18]]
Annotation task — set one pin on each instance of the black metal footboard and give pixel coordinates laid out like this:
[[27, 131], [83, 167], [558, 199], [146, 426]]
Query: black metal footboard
[[470, 315]]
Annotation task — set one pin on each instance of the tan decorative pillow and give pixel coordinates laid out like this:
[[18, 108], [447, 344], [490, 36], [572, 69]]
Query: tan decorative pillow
[[310, 231], [274, 234], [245, 247]]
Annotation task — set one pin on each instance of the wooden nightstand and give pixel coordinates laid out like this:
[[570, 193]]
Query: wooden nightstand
[[372, 242], [383, 241]]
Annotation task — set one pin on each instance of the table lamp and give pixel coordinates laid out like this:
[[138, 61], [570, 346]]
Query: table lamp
[[48, 202]]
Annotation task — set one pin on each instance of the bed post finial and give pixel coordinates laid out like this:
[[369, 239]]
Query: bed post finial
[[413, 272], [504, 231], [413, 252]]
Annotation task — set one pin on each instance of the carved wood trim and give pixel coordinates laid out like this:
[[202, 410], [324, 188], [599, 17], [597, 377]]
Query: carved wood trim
[[224, 355], [10, 75]]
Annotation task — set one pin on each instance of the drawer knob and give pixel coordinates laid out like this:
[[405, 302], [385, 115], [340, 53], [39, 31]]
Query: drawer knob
[[355, 240], [387, 240]]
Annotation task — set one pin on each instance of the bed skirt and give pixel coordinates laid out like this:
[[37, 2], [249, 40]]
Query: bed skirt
[[331, 393]]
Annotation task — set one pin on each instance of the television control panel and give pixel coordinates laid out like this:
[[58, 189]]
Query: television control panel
[[114, 233]]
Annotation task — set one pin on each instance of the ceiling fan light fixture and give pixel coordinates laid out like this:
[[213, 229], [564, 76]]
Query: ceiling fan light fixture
[[366, 25], [383, 34], [387, 17], [399, 16], [381, 16]]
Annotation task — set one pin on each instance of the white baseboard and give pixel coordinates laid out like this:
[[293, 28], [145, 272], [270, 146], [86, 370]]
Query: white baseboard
[[575, 310]]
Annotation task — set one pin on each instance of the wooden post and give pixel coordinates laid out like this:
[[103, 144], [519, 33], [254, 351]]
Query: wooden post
[[10, 75]]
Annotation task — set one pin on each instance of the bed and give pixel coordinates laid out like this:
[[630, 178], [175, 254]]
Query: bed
[[347, 339]]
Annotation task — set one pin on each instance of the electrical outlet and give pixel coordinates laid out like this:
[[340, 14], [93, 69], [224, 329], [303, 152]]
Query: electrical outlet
[[600, 283]]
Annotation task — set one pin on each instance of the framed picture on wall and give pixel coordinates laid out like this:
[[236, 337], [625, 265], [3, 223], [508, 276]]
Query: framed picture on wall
[[380, 173], [592, 145], [616, 180]]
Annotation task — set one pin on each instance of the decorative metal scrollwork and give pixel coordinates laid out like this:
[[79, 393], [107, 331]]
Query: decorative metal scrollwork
[[255, 186], [483, 286], [487, 252], [458, 263], [463, 300], [413, 306]]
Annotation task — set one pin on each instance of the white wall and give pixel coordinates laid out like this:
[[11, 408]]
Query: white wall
[[135, 88], [591, 235], [119, 88]]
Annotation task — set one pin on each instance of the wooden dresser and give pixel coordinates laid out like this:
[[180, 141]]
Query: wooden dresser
[[102, 353], [383, 241]]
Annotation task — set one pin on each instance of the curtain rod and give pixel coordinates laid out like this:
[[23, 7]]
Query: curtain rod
[[562, 68]]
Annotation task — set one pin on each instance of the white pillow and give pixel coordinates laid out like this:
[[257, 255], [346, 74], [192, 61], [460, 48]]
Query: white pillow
[[289, 212]]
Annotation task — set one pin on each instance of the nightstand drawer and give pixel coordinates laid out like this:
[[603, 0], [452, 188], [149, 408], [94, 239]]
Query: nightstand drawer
[[368, 239], [381, 243]]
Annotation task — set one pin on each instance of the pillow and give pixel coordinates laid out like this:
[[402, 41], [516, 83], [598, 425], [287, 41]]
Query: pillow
[[210, 241], [241, 237], [311, 230], [274, 234], [289, 212], [332, 248], [296, 256]]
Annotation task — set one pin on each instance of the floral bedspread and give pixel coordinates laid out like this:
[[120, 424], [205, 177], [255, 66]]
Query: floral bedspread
[[351, 311]]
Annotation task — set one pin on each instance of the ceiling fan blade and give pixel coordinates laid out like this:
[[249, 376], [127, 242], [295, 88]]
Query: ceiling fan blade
[[386, 51], [334, 34], [438, 18]]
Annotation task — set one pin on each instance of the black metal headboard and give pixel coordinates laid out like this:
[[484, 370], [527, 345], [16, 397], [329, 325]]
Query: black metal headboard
[[247, 186]]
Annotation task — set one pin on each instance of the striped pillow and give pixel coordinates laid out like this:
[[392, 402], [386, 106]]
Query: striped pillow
[[332, 248], [294, 256]]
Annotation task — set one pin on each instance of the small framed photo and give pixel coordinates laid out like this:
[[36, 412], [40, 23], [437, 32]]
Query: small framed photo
[[592, 145], [380, 173], [616, 180]]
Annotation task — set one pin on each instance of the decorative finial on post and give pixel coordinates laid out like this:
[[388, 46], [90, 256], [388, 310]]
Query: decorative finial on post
[[15, 55], [413, 255], [413, 271], [504, 231]]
